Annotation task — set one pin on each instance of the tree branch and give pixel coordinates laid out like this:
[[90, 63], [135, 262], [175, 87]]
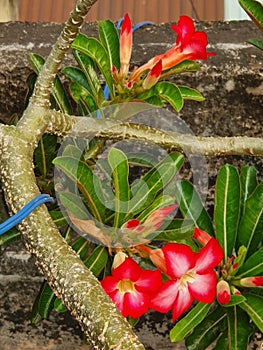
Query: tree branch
[[115, 130]]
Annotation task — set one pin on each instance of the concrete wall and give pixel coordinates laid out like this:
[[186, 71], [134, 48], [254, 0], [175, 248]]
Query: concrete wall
[[233, 87]]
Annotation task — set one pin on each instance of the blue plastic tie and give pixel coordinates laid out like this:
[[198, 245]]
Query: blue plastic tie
[[24, 212]]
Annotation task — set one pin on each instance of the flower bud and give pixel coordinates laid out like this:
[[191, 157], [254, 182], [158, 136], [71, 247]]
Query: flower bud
[[153, 76], [255, 281], [223, 292], [201, 236], [157, 258], [119, 258]]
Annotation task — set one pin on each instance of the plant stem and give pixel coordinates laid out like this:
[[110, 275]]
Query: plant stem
[[115, 130]]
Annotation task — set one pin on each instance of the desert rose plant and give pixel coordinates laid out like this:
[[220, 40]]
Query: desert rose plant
[[113, 248]]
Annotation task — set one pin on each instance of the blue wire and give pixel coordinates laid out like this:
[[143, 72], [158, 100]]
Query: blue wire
[[24, 212]]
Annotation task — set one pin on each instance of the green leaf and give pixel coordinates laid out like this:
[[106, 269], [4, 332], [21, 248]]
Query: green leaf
[[110, 40], [43, 303], [191, 206], [82, 96], [208, 330], [254, 9], [185, 66], [120, 173], [189, 322], [81, 247], [59, 306], [97, 260], [235, 300], [58, 217], [251, 224], [87, 182], [248, 183], [154, 182], [167, 91], [226, 212], [239, 328], [190, 94], [10, 236], [222, 342], [254, 308], [88, 67], [76, 75], [159, 202], [257, 43], [58, 91], [176, 230], [73, 203], [253, 266], [45, 153], [93, 48]]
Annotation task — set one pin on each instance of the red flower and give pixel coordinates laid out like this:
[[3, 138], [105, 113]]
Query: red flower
[[189, 45], [125, 45], [131, 287], [191, 274]]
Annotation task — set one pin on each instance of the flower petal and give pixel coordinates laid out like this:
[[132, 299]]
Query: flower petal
[[135, 304], [128, 270], [184, 29], [179, 259], [182, 303], [149, 281], [109, 284], [163, 300], [203, 288], [209, 256]]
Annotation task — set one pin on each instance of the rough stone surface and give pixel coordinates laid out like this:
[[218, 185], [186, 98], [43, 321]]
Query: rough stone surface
[[233, 87]]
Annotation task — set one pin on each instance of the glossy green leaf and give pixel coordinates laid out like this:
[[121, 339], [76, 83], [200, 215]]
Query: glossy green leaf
[[222, 341], [167, 91], [76, 75], [254, 308], [88, 67], [206, 332], [73, 203], [251, 224], [81, 247], [82, 96], [190, 93], [254, 9], [248, 183], [185, 66], [159, 202], [45, 153], [253, 266], [191, 206], [176, 230], [239, 328], [110, 40], [227, 204], [118, 162], [87, 182], [43, 303], [154, 181], [189, 322], [59, 306], [235, 300], [58, 90], [257, 43], [93, 48], [97, 260]]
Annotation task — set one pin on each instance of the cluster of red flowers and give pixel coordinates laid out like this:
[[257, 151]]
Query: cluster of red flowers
[[189, 276], [189, 45]]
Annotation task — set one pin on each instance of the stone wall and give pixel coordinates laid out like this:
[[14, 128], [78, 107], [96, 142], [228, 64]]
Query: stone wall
[[233, 87]]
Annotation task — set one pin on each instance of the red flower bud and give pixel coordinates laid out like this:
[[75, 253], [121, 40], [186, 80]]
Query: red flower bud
[[223, 292], [255, 281]]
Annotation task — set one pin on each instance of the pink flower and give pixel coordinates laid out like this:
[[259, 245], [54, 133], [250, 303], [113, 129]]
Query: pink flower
[[191, 275], [201, 236], [131, 287], [223, 292], [125, 45], [189, 45]]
